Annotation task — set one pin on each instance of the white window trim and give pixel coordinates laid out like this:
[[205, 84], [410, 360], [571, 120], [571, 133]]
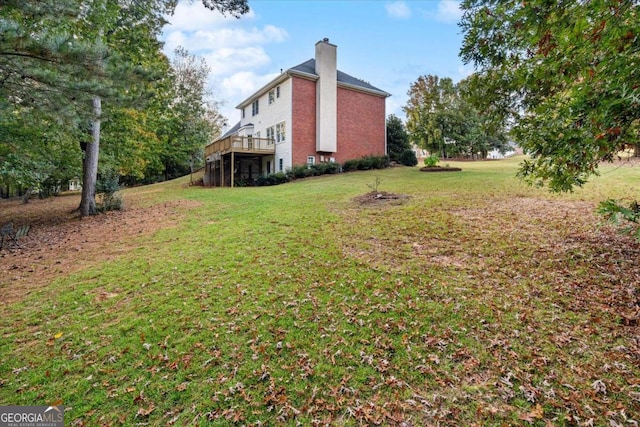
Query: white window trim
[[280, 132]]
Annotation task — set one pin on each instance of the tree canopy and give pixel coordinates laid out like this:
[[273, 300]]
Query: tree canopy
[[563, 74], [397, 138], [75, 70], [442, 118]]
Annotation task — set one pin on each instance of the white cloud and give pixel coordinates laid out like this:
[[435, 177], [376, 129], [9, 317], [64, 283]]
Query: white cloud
[[226, 61], [236, 50], [204, 39], [236, 88], [192, 16], [449, 11], [173, 40], [398, 9], [395, 104], [245, 83]]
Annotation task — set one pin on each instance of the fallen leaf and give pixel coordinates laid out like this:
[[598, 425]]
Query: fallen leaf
[[536, 413], [146, 411]]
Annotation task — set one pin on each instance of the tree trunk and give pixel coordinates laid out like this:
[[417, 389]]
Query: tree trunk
[[90, 165], [27, 195], [636, 150]]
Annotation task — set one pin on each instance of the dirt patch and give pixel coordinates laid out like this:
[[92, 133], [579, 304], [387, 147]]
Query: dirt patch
[[60, 243], [377, 198]]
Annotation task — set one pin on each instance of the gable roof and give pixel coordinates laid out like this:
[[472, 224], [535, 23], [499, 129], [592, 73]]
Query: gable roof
[[234, 129], [308, 70]]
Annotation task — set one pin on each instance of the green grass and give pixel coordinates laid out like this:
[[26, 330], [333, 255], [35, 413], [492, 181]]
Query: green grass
[[477, 301]]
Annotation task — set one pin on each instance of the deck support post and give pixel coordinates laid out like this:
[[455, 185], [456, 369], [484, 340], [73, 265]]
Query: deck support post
[[233, 168]]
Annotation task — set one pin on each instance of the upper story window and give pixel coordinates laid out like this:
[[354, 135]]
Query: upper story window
[[272, 96], [243, 113], [255, 107], [280, 132], [278, 92]]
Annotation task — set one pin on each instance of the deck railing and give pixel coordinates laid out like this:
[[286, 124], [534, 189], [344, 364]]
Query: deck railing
[[240, 144]]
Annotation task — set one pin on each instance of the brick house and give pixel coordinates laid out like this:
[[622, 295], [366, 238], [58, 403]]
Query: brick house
[[308, 114]]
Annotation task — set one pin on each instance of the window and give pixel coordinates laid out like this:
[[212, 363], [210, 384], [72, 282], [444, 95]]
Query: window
[[311, 160], [281, 164], [243, 113], [257, 134], [278, 92], [255, 107], [280, 132], [272, 97], [270, 134]]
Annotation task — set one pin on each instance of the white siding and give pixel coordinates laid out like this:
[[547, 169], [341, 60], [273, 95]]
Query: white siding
[[269, 115]]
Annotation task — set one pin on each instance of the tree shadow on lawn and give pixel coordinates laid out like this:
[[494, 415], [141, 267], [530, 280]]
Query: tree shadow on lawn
[[59, 242]]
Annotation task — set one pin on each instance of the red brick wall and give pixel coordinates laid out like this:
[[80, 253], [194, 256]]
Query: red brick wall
[[303, 119], [361, 123]]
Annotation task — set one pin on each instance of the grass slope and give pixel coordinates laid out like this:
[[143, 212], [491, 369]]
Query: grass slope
[[477, 301]]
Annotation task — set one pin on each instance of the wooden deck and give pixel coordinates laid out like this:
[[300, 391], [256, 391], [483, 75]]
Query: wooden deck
[[225, 156], [239, 144]]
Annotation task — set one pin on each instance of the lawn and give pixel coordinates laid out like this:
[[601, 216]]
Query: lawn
[[474, 300]]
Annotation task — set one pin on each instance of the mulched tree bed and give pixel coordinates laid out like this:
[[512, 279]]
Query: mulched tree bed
[[380, 197], [439, 169]]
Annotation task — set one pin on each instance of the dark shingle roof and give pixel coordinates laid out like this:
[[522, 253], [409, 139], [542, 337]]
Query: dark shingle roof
[[230, 132], [309, 67]]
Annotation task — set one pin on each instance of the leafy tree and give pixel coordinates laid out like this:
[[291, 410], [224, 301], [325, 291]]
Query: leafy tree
[[564, 74], [443, 119], [193, 118], [429, 112], [397, 138], [61, 59]]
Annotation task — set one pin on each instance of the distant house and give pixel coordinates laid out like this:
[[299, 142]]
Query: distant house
[[308, 114]]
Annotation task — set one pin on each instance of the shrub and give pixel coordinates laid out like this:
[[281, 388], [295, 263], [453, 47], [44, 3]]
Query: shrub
[[431, 161], [326, 168], [378, 162], [240, 182], [300, 171], [350, 165], [107, 187], [408, 158], [271, 179], [366, 163]]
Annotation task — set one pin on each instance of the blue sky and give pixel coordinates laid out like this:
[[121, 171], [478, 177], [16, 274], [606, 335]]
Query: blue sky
[[387, 43]]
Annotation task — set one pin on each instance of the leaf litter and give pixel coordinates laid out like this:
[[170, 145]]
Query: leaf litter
[[508, 312]]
